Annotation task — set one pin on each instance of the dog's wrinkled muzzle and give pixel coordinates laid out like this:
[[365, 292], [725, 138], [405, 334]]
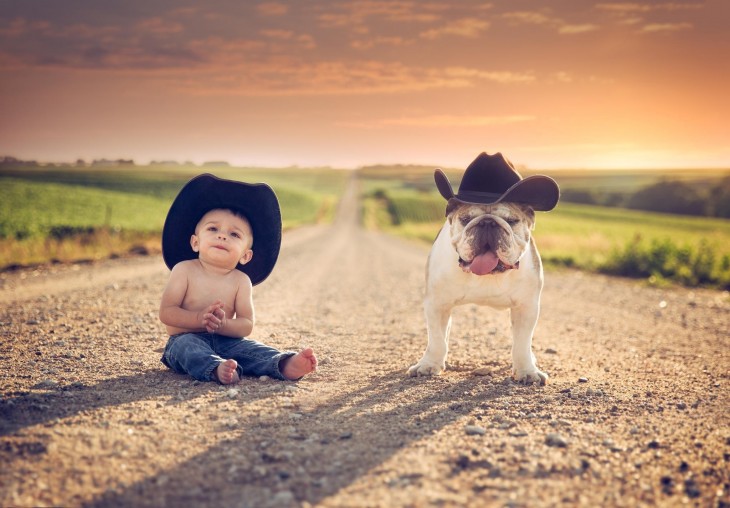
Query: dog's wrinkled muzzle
[[488, 261]]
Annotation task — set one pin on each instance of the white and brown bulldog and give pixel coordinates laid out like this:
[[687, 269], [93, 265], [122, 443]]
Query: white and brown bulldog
[[485, 254]]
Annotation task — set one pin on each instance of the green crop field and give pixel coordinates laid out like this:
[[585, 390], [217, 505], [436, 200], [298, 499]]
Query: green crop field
[[689, 250], [69, 213]]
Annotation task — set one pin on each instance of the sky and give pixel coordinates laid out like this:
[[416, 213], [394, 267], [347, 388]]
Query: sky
[[564, 84]]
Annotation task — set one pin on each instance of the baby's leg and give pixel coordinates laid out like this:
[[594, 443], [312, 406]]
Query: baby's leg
[[226, 372], [299, 365], [192, 354], [257, 359]]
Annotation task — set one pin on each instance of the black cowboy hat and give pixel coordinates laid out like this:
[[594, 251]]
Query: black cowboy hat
[[491, 179], [257, 202]]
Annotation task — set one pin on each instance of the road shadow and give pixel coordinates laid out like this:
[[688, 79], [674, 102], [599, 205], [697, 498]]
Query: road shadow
[[276, 464], [52, 402]]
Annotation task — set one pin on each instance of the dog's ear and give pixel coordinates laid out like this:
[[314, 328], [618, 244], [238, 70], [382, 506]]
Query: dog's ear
[[529, 215], [450, 207]]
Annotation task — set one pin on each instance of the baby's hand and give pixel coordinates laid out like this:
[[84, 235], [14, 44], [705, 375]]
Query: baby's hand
[[214, 317]]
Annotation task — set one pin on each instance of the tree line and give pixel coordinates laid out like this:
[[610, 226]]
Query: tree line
[[665, 196]]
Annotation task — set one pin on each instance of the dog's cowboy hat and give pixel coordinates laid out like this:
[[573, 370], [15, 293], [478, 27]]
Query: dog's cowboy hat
[[492, 179], [257, 202]]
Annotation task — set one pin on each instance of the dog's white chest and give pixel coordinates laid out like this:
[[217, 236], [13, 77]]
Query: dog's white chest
[[447, 282]]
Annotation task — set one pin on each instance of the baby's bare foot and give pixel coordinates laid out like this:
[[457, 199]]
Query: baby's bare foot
[[299, 365], [226, 372]]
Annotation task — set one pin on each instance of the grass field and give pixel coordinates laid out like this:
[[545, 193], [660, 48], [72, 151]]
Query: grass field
[[70, 213], [689, 250]]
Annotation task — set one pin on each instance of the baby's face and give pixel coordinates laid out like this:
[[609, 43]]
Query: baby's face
[[223, 239]]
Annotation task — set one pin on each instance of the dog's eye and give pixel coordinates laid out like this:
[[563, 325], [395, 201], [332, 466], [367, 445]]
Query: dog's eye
[[464, 220]]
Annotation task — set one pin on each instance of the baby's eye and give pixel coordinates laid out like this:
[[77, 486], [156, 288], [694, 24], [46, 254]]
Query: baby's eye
[[235, 235], [212, 228]]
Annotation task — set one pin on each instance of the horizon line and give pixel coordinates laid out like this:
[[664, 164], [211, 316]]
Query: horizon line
[[121, 162]]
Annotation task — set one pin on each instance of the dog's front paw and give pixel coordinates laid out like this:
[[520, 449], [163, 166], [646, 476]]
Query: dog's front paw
[[535, 376], [425, 368]]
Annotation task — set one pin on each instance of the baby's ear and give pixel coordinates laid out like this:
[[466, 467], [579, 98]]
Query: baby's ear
[[194, 243], [247, 255]]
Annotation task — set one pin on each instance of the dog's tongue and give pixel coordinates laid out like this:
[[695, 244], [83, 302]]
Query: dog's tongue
[[484, 263]]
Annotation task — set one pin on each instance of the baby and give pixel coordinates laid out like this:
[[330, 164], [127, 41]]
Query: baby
[[207, 305]]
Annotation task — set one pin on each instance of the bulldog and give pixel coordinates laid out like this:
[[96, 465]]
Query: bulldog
[[485, 254]]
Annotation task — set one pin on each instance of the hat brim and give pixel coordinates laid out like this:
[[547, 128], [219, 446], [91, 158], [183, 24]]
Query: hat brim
[[540, 192], [206, 192]]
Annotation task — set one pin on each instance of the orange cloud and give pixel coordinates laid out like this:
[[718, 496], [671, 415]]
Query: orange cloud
[[577, 29], [228, 75], [471, 75], [529, 17], [466, 27], [357, 12], [380, 41], [628, 7], [545, 19], [436, 121], [666, 27], [278, 34], [272, 9]]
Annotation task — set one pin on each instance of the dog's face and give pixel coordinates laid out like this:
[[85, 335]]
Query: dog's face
[[489, 238]]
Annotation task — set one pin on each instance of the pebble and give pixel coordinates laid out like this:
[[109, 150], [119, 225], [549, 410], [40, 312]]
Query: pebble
[[653, 444], [551, 351], [611, 445], [555, 439], [481, 371], [232, 393], [667, 484], [582, 379], [283, 498], [474, 430], [691, 488], [231, 422]]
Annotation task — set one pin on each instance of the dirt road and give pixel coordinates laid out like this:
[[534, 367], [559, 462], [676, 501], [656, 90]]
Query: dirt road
[[635, 412]]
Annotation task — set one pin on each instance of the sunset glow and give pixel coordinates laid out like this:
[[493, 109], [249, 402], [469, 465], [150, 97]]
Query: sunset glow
[[347, 83]]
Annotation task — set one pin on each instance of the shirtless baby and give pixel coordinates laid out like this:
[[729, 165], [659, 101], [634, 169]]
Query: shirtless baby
[[207, 306]]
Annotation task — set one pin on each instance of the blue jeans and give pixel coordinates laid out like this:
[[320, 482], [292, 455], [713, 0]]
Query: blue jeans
[[199, 354]]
